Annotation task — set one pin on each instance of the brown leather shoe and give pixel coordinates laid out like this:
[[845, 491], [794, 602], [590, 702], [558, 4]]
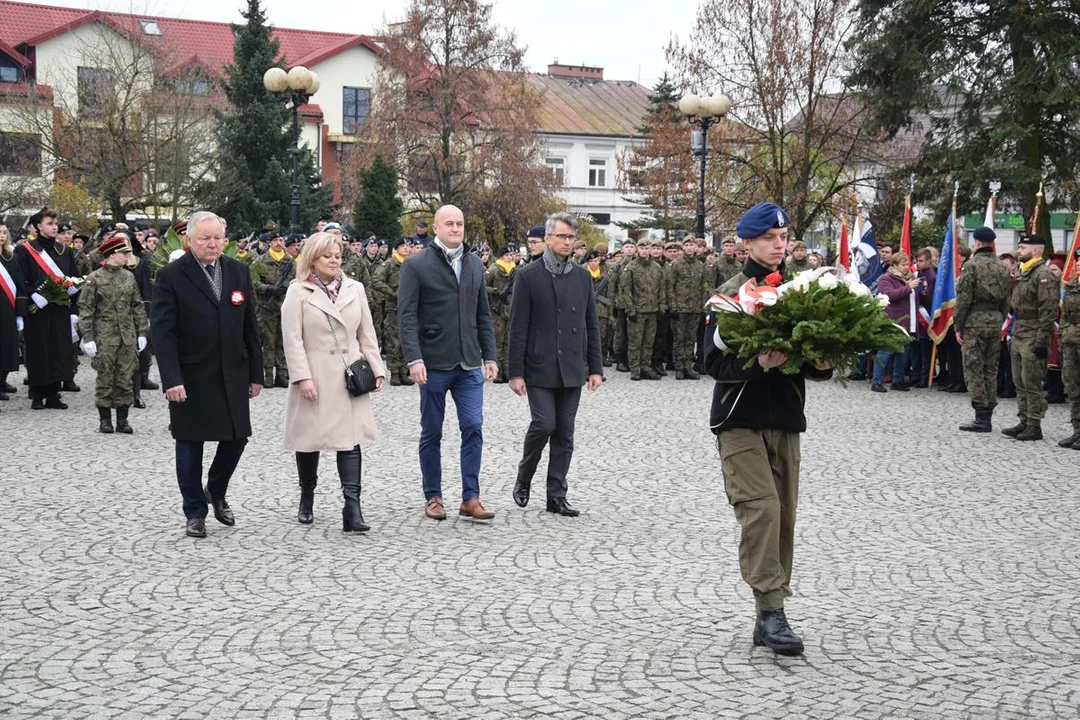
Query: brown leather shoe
[[434, 509], [473, 509]]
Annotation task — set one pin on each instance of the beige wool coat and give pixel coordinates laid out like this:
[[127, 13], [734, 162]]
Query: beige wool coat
[[337, 420]]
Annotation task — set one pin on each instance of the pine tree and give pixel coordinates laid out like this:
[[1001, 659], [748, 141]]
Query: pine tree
[[378, 207]]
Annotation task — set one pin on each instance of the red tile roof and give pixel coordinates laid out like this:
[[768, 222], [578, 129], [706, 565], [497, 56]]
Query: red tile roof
[[25, 25], [590, 107]]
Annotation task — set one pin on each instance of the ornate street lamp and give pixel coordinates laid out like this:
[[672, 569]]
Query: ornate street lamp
[[703, 112], [295, 87]]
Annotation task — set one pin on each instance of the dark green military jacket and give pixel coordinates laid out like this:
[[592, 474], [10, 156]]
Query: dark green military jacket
[[111, 311], [982, 292], [1070, 313], [641, 287], [725, 269], [496, 281], [384, 282], [1035, 303], [796, 266], [686, 285], [270, 278]]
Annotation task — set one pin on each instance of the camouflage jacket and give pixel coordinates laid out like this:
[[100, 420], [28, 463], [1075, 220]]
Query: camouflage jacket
[[1070, 312], [1034, 303], [982, 292], [724, 269], [270, 278], [497, 281], [641, 287], [111, 310], [686, 285], [384, 281]]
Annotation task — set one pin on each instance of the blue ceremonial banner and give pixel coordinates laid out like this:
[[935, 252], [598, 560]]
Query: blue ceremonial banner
[[943, 303], [867, 259]]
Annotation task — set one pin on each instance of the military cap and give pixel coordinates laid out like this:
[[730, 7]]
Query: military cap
[[399, 242], [63, 227], [119, 242], [760, 219], [270, 225], [505, 250], [1031, 239], [380, 243], [422, 224], [984, 234], [294, 238], [601, 248], [674, 245], [537, 231], [331, 226]]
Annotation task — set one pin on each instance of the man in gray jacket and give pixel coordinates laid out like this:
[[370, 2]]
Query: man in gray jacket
[[448, 342]]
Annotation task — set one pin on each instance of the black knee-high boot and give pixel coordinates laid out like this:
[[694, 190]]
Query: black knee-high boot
[[352, 519], [307, 469]]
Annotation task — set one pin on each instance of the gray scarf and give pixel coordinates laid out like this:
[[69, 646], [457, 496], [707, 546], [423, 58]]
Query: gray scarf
[[554, 265]]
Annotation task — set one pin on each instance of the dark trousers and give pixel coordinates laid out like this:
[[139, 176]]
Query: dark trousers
[[553, 413], [44, 392], [467, 389], [189, 457]]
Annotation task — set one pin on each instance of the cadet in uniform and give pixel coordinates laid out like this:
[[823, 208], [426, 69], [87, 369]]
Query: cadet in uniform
[[601, 277], [1034, 306], [114, 329], [757, 415], [686, 298], [499, 281], [982, 301], [1069, 344], [384, 288], [641, 289], [270, 277], [618, 341]]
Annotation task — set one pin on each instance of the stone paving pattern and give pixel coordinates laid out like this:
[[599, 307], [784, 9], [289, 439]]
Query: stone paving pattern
[[936, 572]]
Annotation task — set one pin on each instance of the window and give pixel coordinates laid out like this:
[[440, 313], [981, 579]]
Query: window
[[558, 170], [601, 218], [598, 173], [95, 87], [150, 27], [356, 107], [19, 155], [192, 82], [9, 70]]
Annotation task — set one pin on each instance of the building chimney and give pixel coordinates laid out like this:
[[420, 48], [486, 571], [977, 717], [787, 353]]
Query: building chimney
[[575, 72]]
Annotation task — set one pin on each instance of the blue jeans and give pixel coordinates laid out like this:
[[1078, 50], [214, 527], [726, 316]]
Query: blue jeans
[[189, 457], [467, 389], [899, 364]]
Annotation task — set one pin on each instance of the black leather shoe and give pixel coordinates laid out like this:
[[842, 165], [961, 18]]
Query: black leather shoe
[[222, 511], [196, 527], [900, 387], [1069, 441], [4, 396], [649, 374], [680, 375], [139, 404], [521, 491], [149, 384], [70, 386], [1031, 432], [305, 515], [878, 387], [37, 404], [9, 388], [559, 506], [772, 631], [1014, 430], [56, 403], [659, 370], [622, 367]]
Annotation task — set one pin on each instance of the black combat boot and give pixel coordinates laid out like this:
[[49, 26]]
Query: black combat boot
[[658, 368], [307, 469], [691, 374], [121, 421], [1033, 431], [282, 381], [352, 519], [406, 379], [981, 423], [623, 365], [772, 631], [680, 375], [395, 379], [1015, 430], [635, 376], [149, 384], [268, 380], [648, 373], [106, 420], [70, 386], [1070, 441]]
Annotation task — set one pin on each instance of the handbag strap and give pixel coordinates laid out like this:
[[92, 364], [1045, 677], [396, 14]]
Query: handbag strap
[[336, 346]]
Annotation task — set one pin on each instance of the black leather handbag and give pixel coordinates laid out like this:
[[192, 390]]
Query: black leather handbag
[[359, 377]]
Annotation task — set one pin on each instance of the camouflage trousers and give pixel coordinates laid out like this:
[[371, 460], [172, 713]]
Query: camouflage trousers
[[607, 331], [619, 338], [502, 339], [1028, 373], [384, 316], [273, 346], [684, 326], [640, 336], [115, 365], [1070, 377], [390, 342], [981, 351]]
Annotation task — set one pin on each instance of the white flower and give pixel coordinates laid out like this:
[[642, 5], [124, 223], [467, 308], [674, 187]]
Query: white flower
[[851, 279], [827, 282], [802, 280], [882, 300], [859, 290]]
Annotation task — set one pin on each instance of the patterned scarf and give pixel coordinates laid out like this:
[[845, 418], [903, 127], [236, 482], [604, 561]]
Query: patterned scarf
[[331, 288], [554, 265]]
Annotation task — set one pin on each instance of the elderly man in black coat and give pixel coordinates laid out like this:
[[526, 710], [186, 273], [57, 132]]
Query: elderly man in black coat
[[206, 335], [554, 342]]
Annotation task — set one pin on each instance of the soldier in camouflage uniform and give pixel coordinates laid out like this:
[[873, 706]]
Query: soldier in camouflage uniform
[[727, 265], [601, 278], [384, 288], [618, 341], [270, 277], [664, 254], [358, 266], [1035, 307], [1069, 344], [982, 302], [499, 281], [114, 329], [686, 298], [799, 262], [641, 295]]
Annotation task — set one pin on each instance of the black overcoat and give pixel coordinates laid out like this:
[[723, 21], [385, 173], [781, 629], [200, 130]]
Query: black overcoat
[[554, 333], [9, 345], [210, 347], [47, 332]]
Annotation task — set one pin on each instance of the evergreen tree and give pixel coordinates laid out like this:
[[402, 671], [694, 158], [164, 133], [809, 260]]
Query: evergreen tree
[[378, 207]]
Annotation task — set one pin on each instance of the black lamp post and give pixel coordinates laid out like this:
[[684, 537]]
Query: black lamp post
[[295, 88], [703, 112]]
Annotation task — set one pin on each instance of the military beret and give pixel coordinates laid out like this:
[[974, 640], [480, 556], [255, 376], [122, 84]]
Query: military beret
[[381, 243], [119, 242], [984, 234], [537, 231], [760, 219], [369, 235], [399, 242], [505, 250], [331, 226], [601, 248], [63, 227], [1032, 239], [294, 238]]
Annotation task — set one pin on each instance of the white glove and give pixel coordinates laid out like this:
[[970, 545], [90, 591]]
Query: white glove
[[717, 341], [72, 289], [90, 348], [141, 343], [74, 320], [18, 324], [39, 300], [74, 330]]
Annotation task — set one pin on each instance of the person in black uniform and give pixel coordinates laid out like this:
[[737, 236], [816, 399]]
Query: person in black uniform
[[12, 310]]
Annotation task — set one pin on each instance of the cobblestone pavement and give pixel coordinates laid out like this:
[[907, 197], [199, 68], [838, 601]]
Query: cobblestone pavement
[[936, 572]]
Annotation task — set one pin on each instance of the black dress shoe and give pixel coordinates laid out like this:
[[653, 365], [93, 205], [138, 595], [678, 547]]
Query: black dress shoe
[[4, 396], [56, 403], [196, 527], [70, 386], [659, 370], [772, 631], [559, 506], [9, 388], [139, 403], [878, 387], [149, 384], [37, 404], [222, 511], [521, 492]]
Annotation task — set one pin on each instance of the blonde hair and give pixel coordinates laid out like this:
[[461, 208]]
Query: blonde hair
[[314, 246], [900, 259]]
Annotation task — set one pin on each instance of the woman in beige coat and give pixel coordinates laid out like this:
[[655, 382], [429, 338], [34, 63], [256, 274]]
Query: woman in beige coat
[[320, 414]]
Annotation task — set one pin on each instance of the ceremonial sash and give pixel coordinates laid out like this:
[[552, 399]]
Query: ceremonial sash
[[7, 284], [46, 263]]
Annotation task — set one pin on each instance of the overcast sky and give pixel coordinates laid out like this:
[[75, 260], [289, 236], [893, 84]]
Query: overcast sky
[[626, 38]]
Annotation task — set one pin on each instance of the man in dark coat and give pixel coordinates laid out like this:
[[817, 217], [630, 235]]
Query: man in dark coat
[[49, 329], [207, 340], [554, 341]]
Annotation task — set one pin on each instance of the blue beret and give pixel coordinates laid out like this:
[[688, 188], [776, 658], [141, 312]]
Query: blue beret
[[537, 231], [761, 218], [984, 234]]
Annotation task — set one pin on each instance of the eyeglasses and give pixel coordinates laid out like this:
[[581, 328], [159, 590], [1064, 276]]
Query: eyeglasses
[[535, 241], [565, 236]]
